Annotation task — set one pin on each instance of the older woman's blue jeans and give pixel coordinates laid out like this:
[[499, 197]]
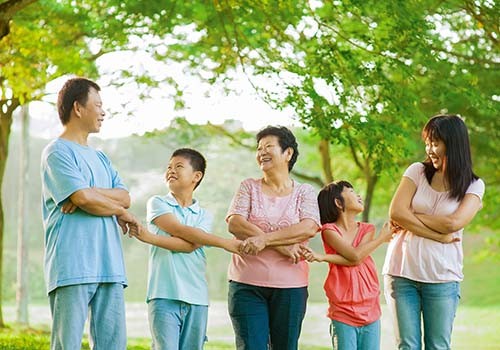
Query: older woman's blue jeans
[[413, 302], [263, 316]]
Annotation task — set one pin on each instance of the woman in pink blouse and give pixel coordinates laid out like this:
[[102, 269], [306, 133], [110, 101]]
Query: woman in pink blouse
[[435, 200], [273, 214]]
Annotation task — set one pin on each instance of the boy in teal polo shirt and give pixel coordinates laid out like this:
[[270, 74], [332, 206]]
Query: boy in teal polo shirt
[[177, 293]]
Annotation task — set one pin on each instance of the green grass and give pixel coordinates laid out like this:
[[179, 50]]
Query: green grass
[[17, 339], [474, 328]]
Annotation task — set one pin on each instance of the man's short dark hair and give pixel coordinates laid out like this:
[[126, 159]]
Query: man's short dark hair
[[75, 89]]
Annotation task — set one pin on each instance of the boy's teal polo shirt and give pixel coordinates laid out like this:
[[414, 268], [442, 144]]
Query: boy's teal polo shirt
[[175, 275]]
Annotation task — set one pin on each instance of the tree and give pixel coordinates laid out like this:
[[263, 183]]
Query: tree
[[366, 74], [66, 40], [22, 299]]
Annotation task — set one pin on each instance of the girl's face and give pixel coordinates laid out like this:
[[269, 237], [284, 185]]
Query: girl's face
[[352, 200], [436, 151]]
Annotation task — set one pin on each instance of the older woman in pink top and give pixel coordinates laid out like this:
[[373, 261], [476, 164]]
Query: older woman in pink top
[[435, 200], [268, 286]]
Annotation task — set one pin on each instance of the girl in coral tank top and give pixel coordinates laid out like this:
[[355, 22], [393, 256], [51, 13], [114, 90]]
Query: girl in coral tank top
[[352, 285]]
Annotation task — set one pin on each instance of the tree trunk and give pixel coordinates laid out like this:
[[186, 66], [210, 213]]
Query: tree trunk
[[371, 181], [22, 244], [5, 124], [326, 161]]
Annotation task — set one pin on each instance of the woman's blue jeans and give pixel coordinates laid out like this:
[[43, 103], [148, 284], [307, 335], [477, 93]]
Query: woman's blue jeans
[[264, 316], [413, 303]]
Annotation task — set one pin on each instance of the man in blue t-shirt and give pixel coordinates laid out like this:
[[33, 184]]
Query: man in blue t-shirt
[[83, 204]]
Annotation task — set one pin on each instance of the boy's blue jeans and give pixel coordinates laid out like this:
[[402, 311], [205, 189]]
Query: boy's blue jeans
[[70, 306], [412, 302], [347, 337], [176, 325], [263, 316]]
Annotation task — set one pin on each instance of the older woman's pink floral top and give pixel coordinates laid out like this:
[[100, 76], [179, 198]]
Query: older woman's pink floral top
[[270, 268]]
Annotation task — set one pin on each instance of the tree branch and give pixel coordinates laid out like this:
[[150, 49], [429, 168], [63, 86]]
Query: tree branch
[[7, 10]]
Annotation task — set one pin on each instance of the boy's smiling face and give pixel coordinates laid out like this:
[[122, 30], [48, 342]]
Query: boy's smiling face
[[180, 174]]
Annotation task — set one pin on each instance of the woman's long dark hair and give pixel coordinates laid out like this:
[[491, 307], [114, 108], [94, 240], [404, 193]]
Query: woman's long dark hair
[[451, 130]]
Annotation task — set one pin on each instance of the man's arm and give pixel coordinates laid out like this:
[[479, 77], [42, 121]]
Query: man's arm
[[170, 224], [400, 211], [456, 221], [95, 203], [119, 195]]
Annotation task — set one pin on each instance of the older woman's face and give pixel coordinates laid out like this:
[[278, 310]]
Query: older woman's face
[[270, 155]]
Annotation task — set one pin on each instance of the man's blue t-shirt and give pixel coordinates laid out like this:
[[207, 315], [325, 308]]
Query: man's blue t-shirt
[[79, 247], [175, 275]]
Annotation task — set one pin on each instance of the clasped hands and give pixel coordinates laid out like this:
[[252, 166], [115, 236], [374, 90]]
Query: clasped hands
[[254, 245]]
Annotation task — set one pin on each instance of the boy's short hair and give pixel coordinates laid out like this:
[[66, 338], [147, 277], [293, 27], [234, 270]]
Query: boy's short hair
[[328, 210], [75, 89], [195, 158]]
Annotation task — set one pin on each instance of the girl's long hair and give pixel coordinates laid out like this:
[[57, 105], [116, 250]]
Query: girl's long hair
[[451, 130]]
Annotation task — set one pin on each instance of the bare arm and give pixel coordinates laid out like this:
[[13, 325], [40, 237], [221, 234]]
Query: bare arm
[[400, 211], [93, 202], [337, 259], [171, 243], [456, 221], [296, 233], [356, 255], [293, 234], [170, 224], [119, 195], [243, 229]]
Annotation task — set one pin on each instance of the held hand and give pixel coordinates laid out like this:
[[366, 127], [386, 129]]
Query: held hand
[[253, 245], [396, 228], [309, 254], [141, 233], [233, 246], [128, 222], [386, 233], [68, 207], [293, 252], [449, 238]]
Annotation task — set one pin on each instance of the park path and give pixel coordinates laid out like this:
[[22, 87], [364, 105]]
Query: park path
[[314, 330]]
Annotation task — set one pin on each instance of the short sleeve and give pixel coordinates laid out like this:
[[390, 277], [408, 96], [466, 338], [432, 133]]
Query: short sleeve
[[241, 202], [415, 172], [61, 176], [206, 221], [156, 207], [116, 179], [477, 187], [308, 204]]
